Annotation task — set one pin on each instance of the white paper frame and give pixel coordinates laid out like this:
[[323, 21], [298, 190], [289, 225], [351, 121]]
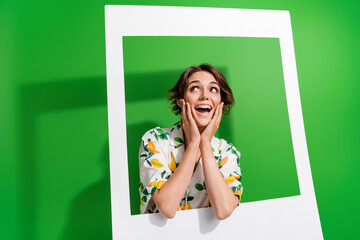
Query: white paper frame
[[284, 218]]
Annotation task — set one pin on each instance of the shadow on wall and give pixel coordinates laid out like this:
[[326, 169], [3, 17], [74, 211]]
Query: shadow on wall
[[89, 210], [90, 215]]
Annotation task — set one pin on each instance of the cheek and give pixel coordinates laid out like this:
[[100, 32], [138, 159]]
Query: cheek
[[216, 100], [190, 98]]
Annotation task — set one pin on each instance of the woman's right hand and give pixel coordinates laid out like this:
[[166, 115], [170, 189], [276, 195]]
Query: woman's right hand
[[192, 134]]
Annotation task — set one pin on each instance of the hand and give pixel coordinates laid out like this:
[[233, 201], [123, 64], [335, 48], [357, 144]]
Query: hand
[[192, 134], [213, 125]]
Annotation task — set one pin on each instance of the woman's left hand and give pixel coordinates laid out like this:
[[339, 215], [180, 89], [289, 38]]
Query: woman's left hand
[[213, 125]]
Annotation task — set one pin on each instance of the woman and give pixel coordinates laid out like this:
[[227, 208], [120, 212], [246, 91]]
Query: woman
[[186, 164]]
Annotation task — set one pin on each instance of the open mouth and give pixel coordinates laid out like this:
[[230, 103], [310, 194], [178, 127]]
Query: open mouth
[[203, 108]]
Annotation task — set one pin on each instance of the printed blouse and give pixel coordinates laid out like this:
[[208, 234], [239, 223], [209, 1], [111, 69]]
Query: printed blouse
[[161, 152]]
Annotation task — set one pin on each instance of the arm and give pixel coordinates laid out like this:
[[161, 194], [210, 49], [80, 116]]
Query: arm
[[167, 198], [220, 195]]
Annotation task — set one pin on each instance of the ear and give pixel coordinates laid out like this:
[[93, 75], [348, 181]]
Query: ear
[[178, 102]]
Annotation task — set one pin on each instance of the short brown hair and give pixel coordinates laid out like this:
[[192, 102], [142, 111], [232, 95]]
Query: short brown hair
[[178, 91]]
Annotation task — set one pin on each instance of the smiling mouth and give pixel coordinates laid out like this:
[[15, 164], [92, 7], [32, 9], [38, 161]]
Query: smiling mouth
[[203, 108]]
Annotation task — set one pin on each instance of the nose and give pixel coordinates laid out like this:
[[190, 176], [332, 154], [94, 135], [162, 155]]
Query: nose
[[204, 95]]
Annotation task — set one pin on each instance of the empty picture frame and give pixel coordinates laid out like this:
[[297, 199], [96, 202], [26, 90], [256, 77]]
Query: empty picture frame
[[293, 217]]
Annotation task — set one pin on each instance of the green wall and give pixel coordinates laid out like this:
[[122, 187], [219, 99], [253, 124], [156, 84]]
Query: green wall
[[53, 116], [258, 124]]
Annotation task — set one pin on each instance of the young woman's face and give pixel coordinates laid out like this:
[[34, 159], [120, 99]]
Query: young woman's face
[[203, 95]]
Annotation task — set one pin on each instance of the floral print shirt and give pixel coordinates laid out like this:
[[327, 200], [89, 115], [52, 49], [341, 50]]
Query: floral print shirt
[[162, 151]]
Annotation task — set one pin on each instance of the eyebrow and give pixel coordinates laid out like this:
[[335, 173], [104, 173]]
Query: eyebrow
[[197, 81]]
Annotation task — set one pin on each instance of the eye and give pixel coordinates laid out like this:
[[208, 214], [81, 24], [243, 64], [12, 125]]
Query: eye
[[194, 88], [214, 90]]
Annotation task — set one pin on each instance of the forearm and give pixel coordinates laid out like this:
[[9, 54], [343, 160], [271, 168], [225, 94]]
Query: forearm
[[167, 198], [220, 195]]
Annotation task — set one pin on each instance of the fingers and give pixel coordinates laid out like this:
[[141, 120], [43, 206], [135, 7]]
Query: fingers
[[219, 116], [191, 113], [183, 112], [215, 121], [216, 113]]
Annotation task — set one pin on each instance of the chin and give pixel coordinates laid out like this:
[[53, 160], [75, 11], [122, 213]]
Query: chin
[[202, 122]]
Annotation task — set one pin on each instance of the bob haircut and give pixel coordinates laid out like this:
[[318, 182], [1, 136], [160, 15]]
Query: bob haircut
[[178, 91]]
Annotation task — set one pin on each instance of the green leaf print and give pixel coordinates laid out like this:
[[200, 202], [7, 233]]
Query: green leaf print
[[160, 131], [190, 198], [149, 163], [153, 190], [233, 189], [199, 187], [144, 198], [155, 135], [178, 140], [145, 148], [167, 177], [163, 173], [163, 136], [141, 185], [228, 149], [143, 155], [234, 152], [145, 192]]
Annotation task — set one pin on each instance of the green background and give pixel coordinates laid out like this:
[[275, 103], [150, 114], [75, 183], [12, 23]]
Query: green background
[[54, 160], [258, 124]]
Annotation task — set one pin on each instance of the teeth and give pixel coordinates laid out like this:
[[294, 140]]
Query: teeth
[[204, 106]]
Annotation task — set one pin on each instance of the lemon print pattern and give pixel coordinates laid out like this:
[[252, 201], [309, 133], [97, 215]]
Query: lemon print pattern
[[172, 165], [238, 193], [186, 206], [152, 184], [224, 161], [152, 147], [161, 152], [159, 184], [156, 163], [231, 179]]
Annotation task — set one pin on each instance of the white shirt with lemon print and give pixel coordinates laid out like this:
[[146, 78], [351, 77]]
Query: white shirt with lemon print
[[161, 152]]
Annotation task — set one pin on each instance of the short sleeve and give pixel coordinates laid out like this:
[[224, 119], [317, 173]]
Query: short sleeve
[[229, 165], [154, 166]]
